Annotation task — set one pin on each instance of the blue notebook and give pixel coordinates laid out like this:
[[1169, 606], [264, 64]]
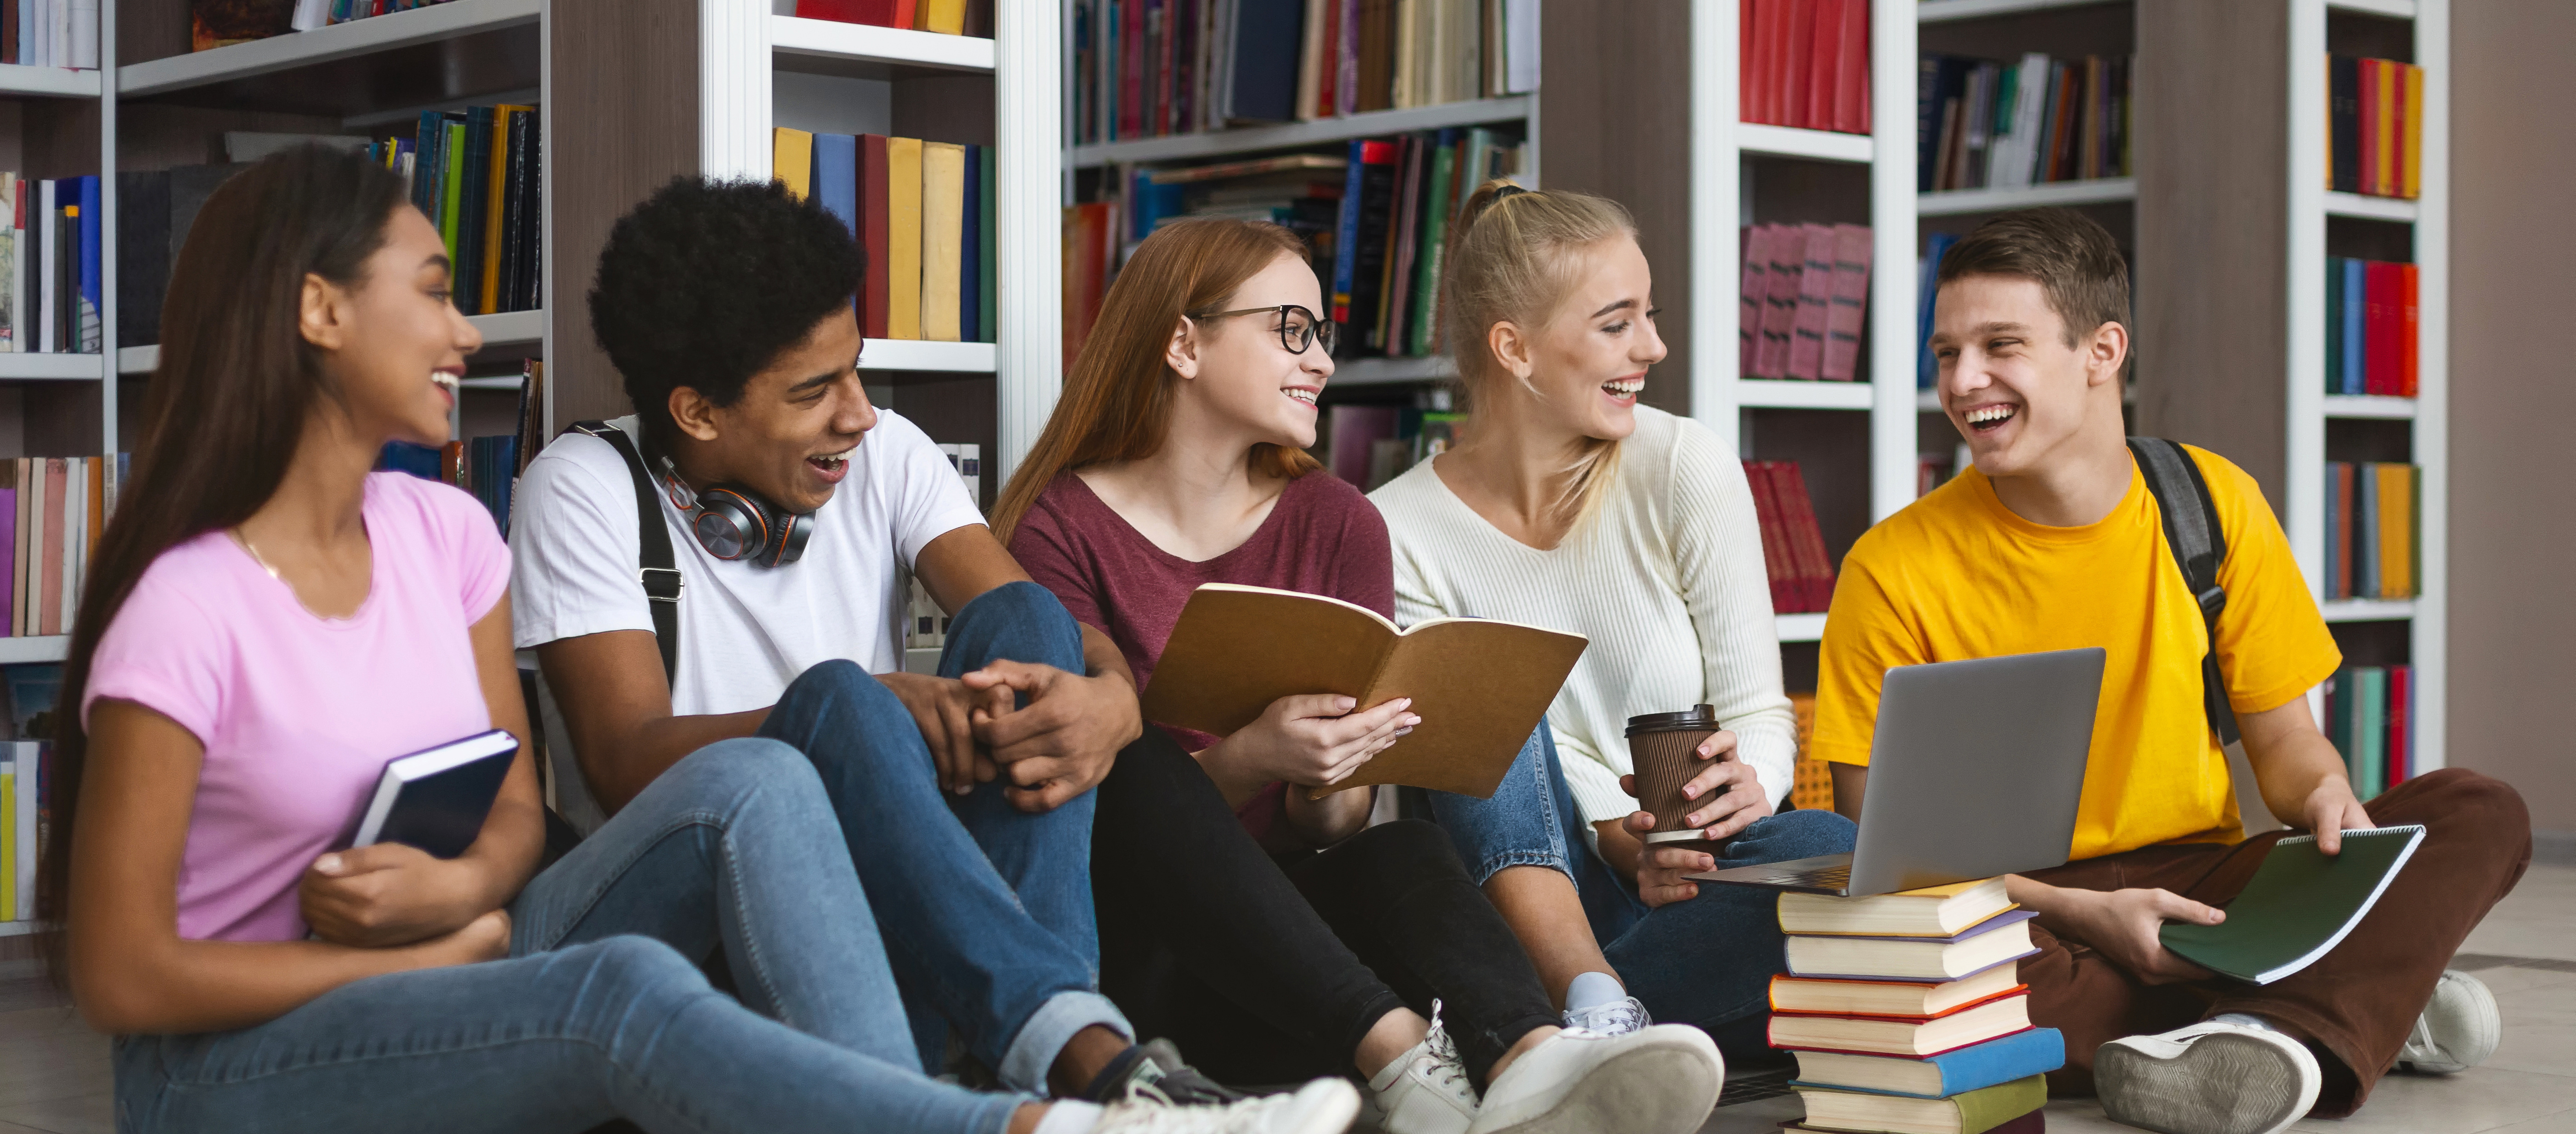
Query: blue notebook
[[436, 799], [2002, 1059]]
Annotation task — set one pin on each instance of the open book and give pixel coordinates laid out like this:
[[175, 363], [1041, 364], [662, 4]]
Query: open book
[[1480, 686]]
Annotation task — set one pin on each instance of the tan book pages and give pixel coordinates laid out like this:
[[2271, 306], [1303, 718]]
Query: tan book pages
[[903, 238], [943, 237], [1480, 686]]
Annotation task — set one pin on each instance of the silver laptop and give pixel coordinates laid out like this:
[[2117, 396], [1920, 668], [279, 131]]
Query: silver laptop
[[1975, 769]]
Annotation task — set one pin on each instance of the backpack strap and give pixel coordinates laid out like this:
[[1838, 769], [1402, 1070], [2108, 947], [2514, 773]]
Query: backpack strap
[[2192, 533], [656, 569]]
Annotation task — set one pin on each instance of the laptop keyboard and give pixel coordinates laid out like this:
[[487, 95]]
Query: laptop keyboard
[[1825, 877]]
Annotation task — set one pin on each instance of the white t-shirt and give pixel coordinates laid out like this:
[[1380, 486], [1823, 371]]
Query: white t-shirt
[[745, 631]]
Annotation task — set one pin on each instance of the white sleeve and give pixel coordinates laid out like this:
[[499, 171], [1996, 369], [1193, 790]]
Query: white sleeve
[[573, 546], [1717, 553], [923, 492]]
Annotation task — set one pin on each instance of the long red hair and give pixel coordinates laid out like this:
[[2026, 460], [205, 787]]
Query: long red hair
[[1117, 402]]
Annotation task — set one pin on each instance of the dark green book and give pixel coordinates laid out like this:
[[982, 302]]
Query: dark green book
[[2299, 906]]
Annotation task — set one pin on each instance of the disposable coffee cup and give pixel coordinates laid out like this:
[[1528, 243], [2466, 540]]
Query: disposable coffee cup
[[1664, 748]]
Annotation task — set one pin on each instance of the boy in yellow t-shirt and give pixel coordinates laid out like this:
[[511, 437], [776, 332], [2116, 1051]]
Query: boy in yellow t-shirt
[[2053, 541]]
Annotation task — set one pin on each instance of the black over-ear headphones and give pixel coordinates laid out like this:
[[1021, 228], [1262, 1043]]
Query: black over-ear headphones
[[733, 522]]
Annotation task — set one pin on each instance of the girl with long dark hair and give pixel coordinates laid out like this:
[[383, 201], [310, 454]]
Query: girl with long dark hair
[[267, 622]]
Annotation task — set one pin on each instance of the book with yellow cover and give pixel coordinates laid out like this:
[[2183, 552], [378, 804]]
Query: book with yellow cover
[[943, 238], [947, 17], [903, 238], [2411, 147], [791, 159], [1480, 686], [1975, 1112], [1891, 997], [1877, 1035], [1938, 911]]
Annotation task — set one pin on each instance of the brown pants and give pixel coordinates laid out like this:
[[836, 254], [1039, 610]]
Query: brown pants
[[2357, 1003]]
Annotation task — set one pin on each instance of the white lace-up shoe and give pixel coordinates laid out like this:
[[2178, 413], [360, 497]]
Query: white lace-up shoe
[[2209, 1078], [1611, 1018], [1659, 1079], [1424, 1091], [2458, 1030], [1325, 1106]]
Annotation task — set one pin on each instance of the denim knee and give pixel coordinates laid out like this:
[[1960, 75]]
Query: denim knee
[[1803, 834], [1016, 601], [745, 768]]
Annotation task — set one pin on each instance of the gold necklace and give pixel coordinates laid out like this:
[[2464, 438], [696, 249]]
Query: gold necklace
[[255, 556]]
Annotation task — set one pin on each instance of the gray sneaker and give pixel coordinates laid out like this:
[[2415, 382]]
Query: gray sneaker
[[2210, 1078], [2458, 1030], [1614, 1018]]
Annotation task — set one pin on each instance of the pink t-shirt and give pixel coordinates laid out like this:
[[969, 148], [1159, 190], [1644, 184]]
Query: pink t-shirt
[[299, 713]]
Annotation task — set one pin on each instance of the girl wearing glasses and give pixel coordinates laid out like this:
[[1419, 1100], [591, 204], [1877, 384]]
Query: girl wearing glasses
[[1270, 934]]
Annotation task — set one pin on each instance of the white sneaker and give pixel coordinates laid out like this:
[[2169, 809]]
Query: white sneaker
[[1325, 1106], [2209, 1078], [1660, 1079], [1611, 1018], [1424, 1091], [2458, 1030]]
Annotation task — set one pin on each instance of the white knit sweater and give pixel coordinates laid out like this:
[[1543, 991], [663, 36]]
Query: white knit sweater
[[1665, 578]]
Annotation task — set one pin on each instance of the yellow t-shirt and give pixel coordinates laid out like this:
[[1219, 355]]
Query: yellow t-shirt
[[1957, 575]]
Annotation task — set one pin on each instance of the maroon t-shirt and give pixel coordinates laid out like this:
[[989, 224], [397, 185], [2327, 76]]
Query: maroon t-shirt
[[1322, 537]]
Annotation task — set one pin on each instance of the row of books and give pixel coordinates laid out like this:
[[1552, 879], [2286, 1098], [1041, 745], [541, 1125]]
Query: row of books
[[2374, 127], [1301, 192], [925, 626], [1806, 290], [488, 467], [2370, 717], [1793, 547], [2371, 327], [1981, 124], [946, 17], [1369, 445], [51, 274], [924, 213], [1398, 195], [1805, 63], [477, 174], [2373, 537], [52, 510], [50, 33], [1148, 68], [1906, 1012], [26, 775], [223, 23]]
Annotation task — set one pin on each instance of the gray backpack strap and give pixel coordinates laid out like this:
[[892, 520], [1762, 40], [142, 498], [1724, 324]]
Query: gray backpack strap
[[2191, 531], [656, 568]]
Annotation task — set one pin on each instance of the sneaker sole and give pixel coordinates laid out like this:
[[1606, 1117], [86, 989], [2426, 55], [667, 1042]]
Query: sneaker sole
[[1660, 1089], [2171, 1093], [1329, 1106]]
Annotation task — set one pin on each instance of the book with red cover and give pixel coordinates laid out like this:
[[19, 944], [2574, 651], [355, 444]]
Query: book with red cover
[[2341, 585], [1762, 60], [2062, 137], [875, 237], [1797, 45], [1087, 240], [882, 13], [2400, 760], [1851, 70], [1748, 70], [2035, 1122], [1910, 1017], [1806, 539], [1849, 303], [2409, 329], [1815, 299], [2379, 327], [1778, 564], [2370, 80], [1823, 62]]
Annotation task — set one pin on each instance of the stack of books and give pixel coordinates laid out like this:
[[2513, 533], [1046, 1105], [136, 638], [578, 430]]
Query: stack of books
[[52, 510], [1805, 63], [2372, 327], [924, 213], [1806, 287], [1801, 572], [2370, 717], [2373, 539], [1982, 124], [1906, 1013], [2374, 127]]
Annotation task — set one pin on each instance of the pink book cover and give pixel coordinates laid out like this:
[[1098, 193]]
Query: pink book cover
[[49, 598], [1850, 303], [1748, 319], [1815, 296], [1786, 263]]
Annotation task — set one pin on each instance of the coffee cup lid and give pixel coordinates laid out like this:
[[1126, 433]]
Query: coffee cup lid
[[1695, 719]]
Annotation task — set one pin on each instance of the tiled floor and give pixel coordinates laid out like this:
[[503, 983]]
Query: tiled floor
[[54, 1074]]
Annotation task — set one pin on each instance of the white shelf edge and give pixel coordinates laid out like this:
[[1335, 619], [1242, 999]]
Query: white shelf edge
[[1390, 371], [47, 82], [49, 367], [1815, 145], [339, 41], [2370, 406], [2393, 9], [51, 648], [2367, 610], [1800, 627], [2100, 190], [22, 928], [917, 354], [867, 43], [2372, 208], [1252, 139], [1942, 11], [508, 328], [1758, 393]]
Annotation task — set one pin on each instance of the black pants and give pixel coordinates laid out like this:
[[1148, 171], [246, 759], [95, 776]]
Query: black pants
[[1270, 972]]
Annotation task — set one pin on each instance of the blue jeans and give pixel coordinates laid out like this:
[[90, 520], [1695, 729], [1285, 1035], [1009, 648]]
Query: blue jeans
[[1707, 961], [985, 910], [600, 1011]]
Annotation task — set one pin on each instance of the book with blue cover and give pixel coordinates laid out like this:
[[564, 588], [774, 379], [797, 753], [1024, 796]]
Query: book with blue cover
[[436, 799], [2002, 1060]]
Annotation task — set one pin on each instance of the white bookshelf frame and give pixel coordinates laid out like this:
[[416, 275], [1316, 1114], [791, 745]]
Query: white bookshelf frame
[[2427, 615], [1721, 143]]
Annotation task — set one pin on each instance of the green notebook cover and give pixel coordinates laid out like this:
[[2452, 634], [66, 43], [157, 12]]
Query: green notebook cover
[[2299, 905], [1979, 1110]]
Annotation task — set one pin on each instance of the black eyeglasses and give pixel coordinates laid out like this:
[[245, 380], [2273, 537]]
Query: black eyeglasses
[[1298, 327]]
